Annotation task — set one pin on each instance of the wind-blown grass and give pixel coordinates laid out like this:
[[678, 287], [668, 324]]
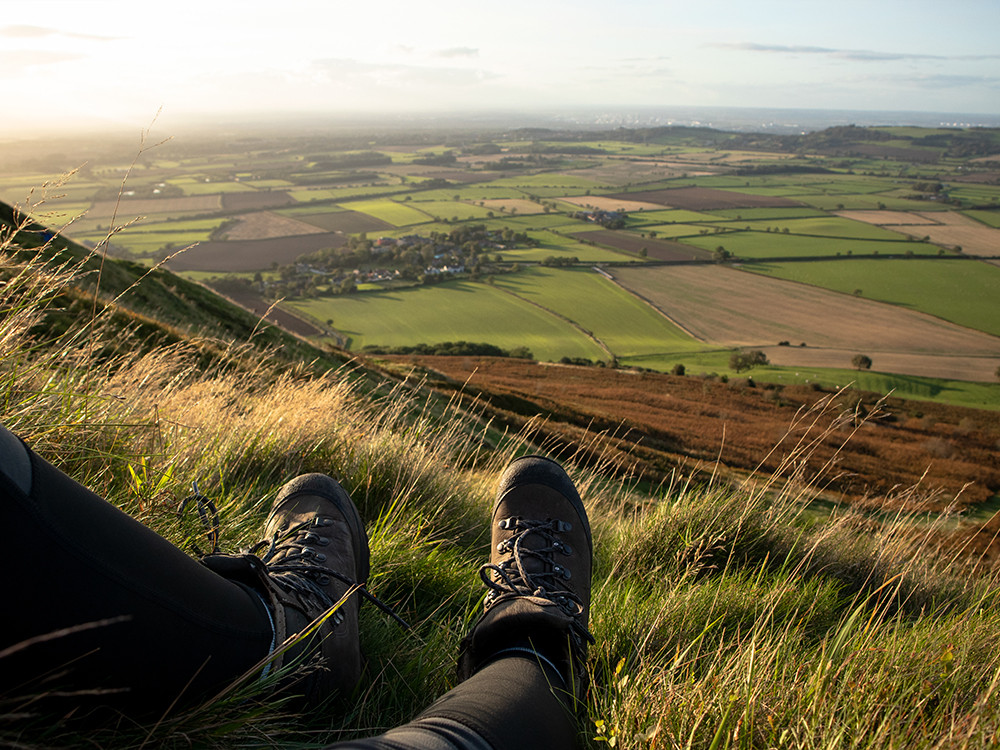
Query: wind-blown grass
[[724, 616]]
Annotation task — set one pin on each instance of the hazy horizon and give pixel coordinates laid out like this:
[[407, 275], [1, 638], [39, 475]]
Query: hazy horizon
[[105, 64]]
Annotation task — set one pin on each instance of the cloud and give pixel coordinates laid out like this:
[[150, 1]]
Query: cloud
[[26, 31], [857, 55], [458, 52]]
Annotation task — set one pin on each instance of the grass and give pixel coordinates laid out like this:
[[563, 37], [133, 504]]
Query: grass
[[762, 245], [624, 324], [725, 616], [397, 214], [450, 311]]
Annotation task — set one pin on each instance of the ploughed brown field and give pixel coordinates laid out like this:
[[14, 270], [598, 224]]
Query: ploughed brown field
[[655, 422], [256, 201], [703, 199], [252, 255], [655, 248], [348, 222]]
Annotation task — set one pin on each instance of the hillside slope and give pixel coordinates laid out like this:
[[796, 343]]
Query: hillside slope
[[724, 616]]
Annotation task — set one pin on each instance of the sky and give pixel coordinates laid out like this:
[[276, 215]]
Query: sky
[[119, 63]]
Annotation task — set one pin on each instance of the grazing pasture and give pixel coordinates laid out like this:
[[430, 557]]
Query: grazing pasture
[[624, 324], [604, 203], [391, 212], [761, 245], [450, 311]]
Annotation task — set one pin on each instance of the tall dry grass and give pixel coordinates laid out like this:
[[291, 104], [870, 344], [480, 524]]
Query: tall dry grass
[[724, 616]]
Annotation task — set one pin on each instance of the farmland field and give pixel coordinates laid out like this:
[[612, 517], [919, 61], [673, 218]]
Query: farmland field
[[761, 245], [953, 229], [728, 307], [452, 311], [339, 220], [627, 326], [703, 199], [656, 249], [391, 212], [252, 255], [962, 291], [990, 218]]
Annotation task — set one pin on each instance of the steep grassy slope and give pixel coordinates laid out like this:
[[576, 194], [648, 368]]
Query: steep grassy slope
[[723, 616]]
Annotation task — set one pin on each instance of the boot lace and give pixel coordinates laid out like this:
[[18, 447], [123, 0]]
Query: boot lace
[[512, 575], [290, 560]]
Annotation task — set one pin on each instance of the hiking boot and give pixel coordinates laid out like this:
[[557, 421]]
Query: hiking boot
[[316, 554], [538, 575]]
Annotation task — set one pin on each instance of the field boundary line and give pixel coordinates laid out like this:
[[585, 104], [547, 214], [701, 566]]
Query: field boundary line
[[654, 306], [573, 323]]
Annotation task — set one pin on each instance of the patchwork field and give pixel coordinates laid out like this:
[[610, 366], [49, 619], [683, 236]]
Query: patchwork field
[[704, 199], [266, 225], [130, 208], [348, 222], [952, 229], [961, 291], [604, 203], [252, 255], [453, 311], [728, 307], [655, 249]]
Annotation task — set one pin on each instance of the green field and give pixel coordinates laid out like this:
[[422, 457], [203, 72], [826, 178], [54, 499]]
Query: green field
[[397, 214], [626, 325], [820, 226], [990, 218], [962, 291], [775, 245], [450, 311]]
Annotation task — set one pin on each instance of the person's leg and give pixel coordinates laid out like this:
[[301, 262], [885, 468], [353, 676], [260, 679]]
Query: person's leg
[[524, 662], [95, 601]]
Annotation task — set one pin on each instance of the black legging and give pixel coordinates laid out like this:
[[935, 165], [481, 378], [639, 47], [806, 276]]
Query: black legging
[[154, 628]]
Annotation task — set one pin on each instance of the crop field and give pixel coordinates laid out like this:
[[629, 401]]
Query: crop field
[[203, 187], [759, 245], [130, 208], [338, 220], [962, 291], [704, 199], [451, 311], [511, 206], [656, 249], [889, 218], [391, 212], [729, 307], [624, 324], [264, 225], [954, 229], [604, 203], [256, 201], [252, 255]]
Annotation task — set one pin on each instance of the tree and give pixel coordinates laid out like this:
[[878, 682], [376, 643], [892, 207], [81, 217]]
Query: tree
[[861, 362], [741, 361]]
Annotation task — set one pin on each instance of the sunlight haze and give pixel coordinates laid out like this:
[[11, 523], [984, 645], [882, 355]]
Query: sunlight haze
[[117, 63]]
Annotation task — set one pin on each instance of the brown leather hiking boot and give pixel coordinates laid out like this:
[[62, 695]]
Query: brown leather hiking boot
[[538, 575], [314, 554]]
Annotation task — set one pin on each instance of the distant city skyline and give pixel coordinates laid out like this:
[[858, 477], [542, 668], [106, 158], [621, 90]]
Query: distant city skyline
[[107, 63]]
